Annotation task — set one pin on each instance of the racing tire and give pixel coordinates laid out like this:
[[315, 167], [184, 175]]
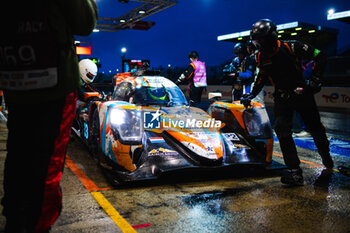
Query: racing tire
[[95, 142], [94, 138]]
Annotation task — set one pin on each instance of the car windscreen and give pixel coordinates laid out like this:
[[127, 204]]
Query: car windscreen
[[168, 96]]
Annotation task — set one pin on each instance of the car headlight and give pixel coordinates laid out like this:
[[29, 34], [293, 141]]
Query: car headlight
[[126, 125], [257, 123]]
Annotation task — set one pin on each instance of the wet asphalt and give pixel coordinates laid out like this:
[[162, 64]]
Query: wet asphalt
[[244, 199]]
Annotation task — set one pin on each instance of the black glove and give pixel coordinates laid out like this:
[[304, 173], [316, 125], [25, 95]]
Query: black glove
[[246, 99], [313, 85]]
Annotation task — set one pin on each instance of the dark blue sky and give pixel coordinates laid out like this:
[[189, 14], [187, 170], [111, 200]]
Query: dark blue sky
[[195, 25]]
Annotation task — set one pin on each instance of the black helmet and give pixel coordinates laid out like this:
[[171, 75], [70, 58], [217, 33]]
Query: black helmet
[[240, 48], [264, 34], [251, 45], [193, 54]]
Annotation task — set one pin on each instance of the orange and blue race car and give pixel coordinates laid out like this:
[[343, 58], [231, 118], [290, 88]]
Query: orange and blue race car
[[147, 128]]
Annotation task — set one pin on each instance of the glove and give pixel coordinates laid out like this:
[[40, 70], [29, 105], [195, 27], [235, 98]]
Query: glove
[[234, 75], [313, 85], [246, 99], [180, 79], [298, 90]]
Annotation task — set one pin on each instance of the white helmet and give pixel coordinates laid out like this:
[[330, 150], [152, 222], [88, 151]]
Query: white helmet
[[88, 70]]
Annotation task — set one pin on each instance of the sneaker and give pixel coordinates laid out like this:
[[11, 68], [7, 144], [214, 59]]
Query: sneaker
[[302, 134], [344, 170], [324, 179], [294, 177]]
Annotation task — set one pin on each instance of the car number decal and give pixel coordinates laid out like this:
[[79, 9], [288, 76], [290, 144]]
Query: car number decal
[[232, 136]]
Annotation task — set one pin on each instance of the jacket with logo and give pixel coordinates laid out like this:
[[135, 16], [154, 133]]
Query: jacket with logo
[[65, 18]]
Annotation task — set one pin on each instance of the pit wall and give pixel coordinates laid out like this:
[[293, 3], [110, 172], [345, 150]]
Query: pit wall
[[328, 97]]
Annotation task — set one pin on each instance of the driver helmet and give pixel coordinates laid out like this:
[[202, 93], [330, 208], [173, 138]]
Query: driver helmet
[[88, 70], [264, 34], [157, 93]]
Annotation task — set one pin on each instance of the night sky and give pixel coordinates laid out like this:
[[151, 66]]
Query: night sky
[[195, 25]]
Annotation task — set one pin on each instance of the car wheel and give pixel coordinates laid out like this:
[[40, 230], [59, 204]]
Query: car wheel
[[94, 138], [95, 141]]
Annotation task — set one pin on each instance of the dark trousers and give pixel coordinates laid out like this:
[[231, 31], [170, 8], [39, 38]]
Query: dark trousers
[[305, 105], [195, 94], [237, 94], [37, 138]]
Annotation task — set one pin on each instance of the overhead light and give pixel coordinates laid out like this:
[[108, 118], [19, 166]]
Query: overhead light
[[96, 30], [122, 21], [239, 38], [331, 11], [312, 31], [298, 29], [281, 31], [294, 34], [279, 36], [77, 42], [142, 12]]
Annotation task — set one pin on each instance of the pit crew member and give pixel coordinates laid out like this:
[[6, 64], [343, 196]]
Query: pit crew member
[[280, 62], [245, 68], [40, 78], [197, 76]]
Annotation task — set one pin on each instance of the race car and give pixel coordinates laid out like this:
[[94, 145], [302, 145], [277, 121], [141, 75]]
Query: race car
[[147, 128], [250, 126]]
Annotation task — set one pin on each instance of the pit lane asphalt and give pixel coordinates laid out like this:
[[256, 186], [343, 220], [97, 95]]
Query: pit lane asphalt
[[244, 200]]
